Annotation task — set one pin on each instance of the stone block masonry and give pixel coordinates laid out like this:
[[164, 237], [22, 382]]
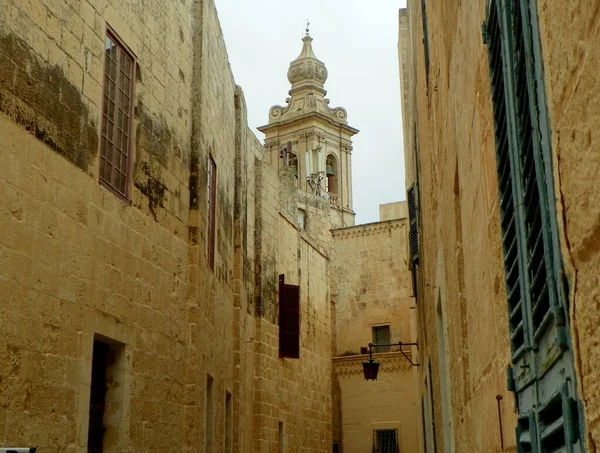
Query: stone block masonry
[[85, 273]]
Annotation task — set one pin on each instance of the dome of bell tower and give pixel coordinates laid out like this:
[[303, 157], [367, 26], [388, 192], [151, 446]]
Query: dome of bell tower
[[307, 71]]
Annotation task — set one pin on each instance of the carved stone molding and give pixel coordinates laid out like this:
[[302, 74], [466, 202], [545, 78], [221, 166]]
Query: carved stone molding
[[388, 362], [368, 229]]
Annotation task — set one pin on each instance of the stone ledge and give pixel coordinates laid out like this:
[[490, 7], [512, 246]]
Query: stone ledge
[[389, 361], [368, 229]]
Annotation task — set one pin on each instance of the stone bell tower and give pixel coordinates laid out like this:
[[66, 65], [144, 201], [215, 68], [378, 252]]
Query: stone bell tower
[[312, 138]]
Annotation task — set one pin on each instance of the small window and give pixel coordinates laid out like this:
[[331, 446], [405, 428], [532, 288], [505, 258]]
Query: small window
[[289, 320], [117, 109], [212, 201], [281, 438], [385, 441], [381, 335], [228, 423], [209, 416], [336, 448], [302, 219]]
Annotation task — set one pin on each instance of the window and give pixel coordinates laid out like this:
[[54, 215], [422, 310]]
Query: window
[[117, 108], [228, 423], [385, 441], [281, 432], [212, 201], [381, 335], [293, 164], [542, 375], [289, 320], [413, 235], [98, 397], [331, 173], [302, 219], [209, 416], [106, 392]]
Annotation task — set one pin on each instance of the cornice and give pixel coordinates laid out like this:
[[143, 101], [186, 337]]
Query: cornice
[[388, 362], [283, 122], [368, 229]]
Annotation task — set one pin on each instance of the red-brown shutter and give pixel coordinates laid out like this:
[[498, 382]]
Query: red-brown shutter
[[289, 320]]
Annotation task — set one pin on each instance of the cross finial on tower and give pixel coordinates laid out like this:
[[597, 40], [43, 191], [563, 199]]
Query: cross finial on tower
[[307, 27]]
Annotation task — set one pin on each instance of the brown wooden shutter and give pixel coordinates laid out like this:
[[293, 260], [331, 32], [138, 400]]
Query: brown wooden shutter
[[289, 320]]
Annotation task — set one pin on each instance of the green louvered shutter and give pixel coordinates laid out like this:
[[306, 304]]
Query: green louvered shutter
[[543, 374], [413, 234]]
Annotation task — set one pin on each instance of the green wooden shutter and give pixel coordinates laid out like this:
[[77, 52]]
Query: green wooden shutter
[[413, 235], [543, 375]]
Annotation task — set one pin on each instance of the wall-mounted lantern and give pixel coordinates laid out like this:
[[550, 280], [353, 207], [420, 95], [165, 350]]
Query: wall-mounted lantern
[[371, 368]]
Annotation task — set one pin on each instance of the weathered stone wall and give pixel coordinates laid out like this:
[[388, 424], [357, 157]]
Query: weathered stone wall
[[371, 286], [571, 60], [388, 403], [461, 254], [295, 392], [78, 263]]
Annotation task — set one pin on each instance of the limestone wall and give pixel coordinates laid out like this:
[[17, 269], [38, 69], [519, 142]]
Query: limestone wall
[[571, 59], [371, 287], [461, 268], [78, 263], [389, 403]]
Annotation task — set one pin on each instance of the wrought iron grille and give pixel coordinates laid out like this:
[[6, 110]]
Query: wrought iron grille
[[385, 441]]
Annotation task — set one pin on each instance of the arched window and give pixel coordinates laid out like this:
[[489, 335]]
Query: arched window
[[332, 174], [293, 164]]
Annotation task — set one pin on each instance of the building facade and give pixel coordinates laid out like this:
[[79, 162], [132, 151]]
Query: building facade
[[149, 242], [372, 303], [500, 131]]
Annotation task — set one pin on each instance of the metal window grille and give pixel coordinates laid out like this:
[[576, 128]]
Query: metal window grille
[[385, 441], [212, 201], [115, 139], [381, 335]]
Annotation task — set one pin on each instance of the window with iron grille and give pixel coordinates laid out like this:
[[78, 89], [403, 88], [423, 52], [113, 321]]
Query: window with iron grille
[[385, 441], [545, 381], [117, 108], [212, 201], [381, 335], [289, 320]]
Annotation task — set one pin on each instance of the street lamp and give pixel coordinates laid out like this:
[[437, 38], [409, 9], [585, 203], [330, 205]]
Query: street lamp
[[371, 368]]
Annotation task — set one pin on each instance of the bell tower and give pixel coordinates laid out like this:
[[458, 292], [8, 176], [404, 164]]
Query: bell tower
[[312, 138]]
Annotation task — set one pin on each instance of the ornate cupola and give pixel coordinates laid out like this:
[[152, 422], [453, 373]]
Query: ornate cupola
[[307, 71], [317, 139]]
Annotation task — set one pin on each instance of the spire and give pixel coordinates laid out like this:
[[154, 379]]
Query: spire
[[307, 71]]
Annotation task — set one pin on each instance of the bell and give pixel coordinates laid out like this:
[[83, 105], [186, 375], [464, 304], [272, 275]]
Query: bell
[[330, 171]]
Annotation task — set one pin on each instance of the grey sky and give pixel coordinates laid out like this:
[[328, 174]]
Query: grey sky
[[357, 41]]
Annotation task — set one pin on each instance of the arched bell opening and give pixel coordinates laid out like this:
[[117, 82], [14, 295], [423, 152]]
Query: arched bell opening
[[331, 172], [293, 164]]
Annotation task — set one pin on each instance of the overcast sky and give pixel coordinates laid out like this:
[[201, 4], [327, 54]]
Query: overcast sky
[[358, 41]]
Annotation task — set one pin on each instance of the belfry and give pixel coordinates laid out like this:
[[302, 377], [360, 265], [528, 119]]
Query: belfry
[[313, 139]]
